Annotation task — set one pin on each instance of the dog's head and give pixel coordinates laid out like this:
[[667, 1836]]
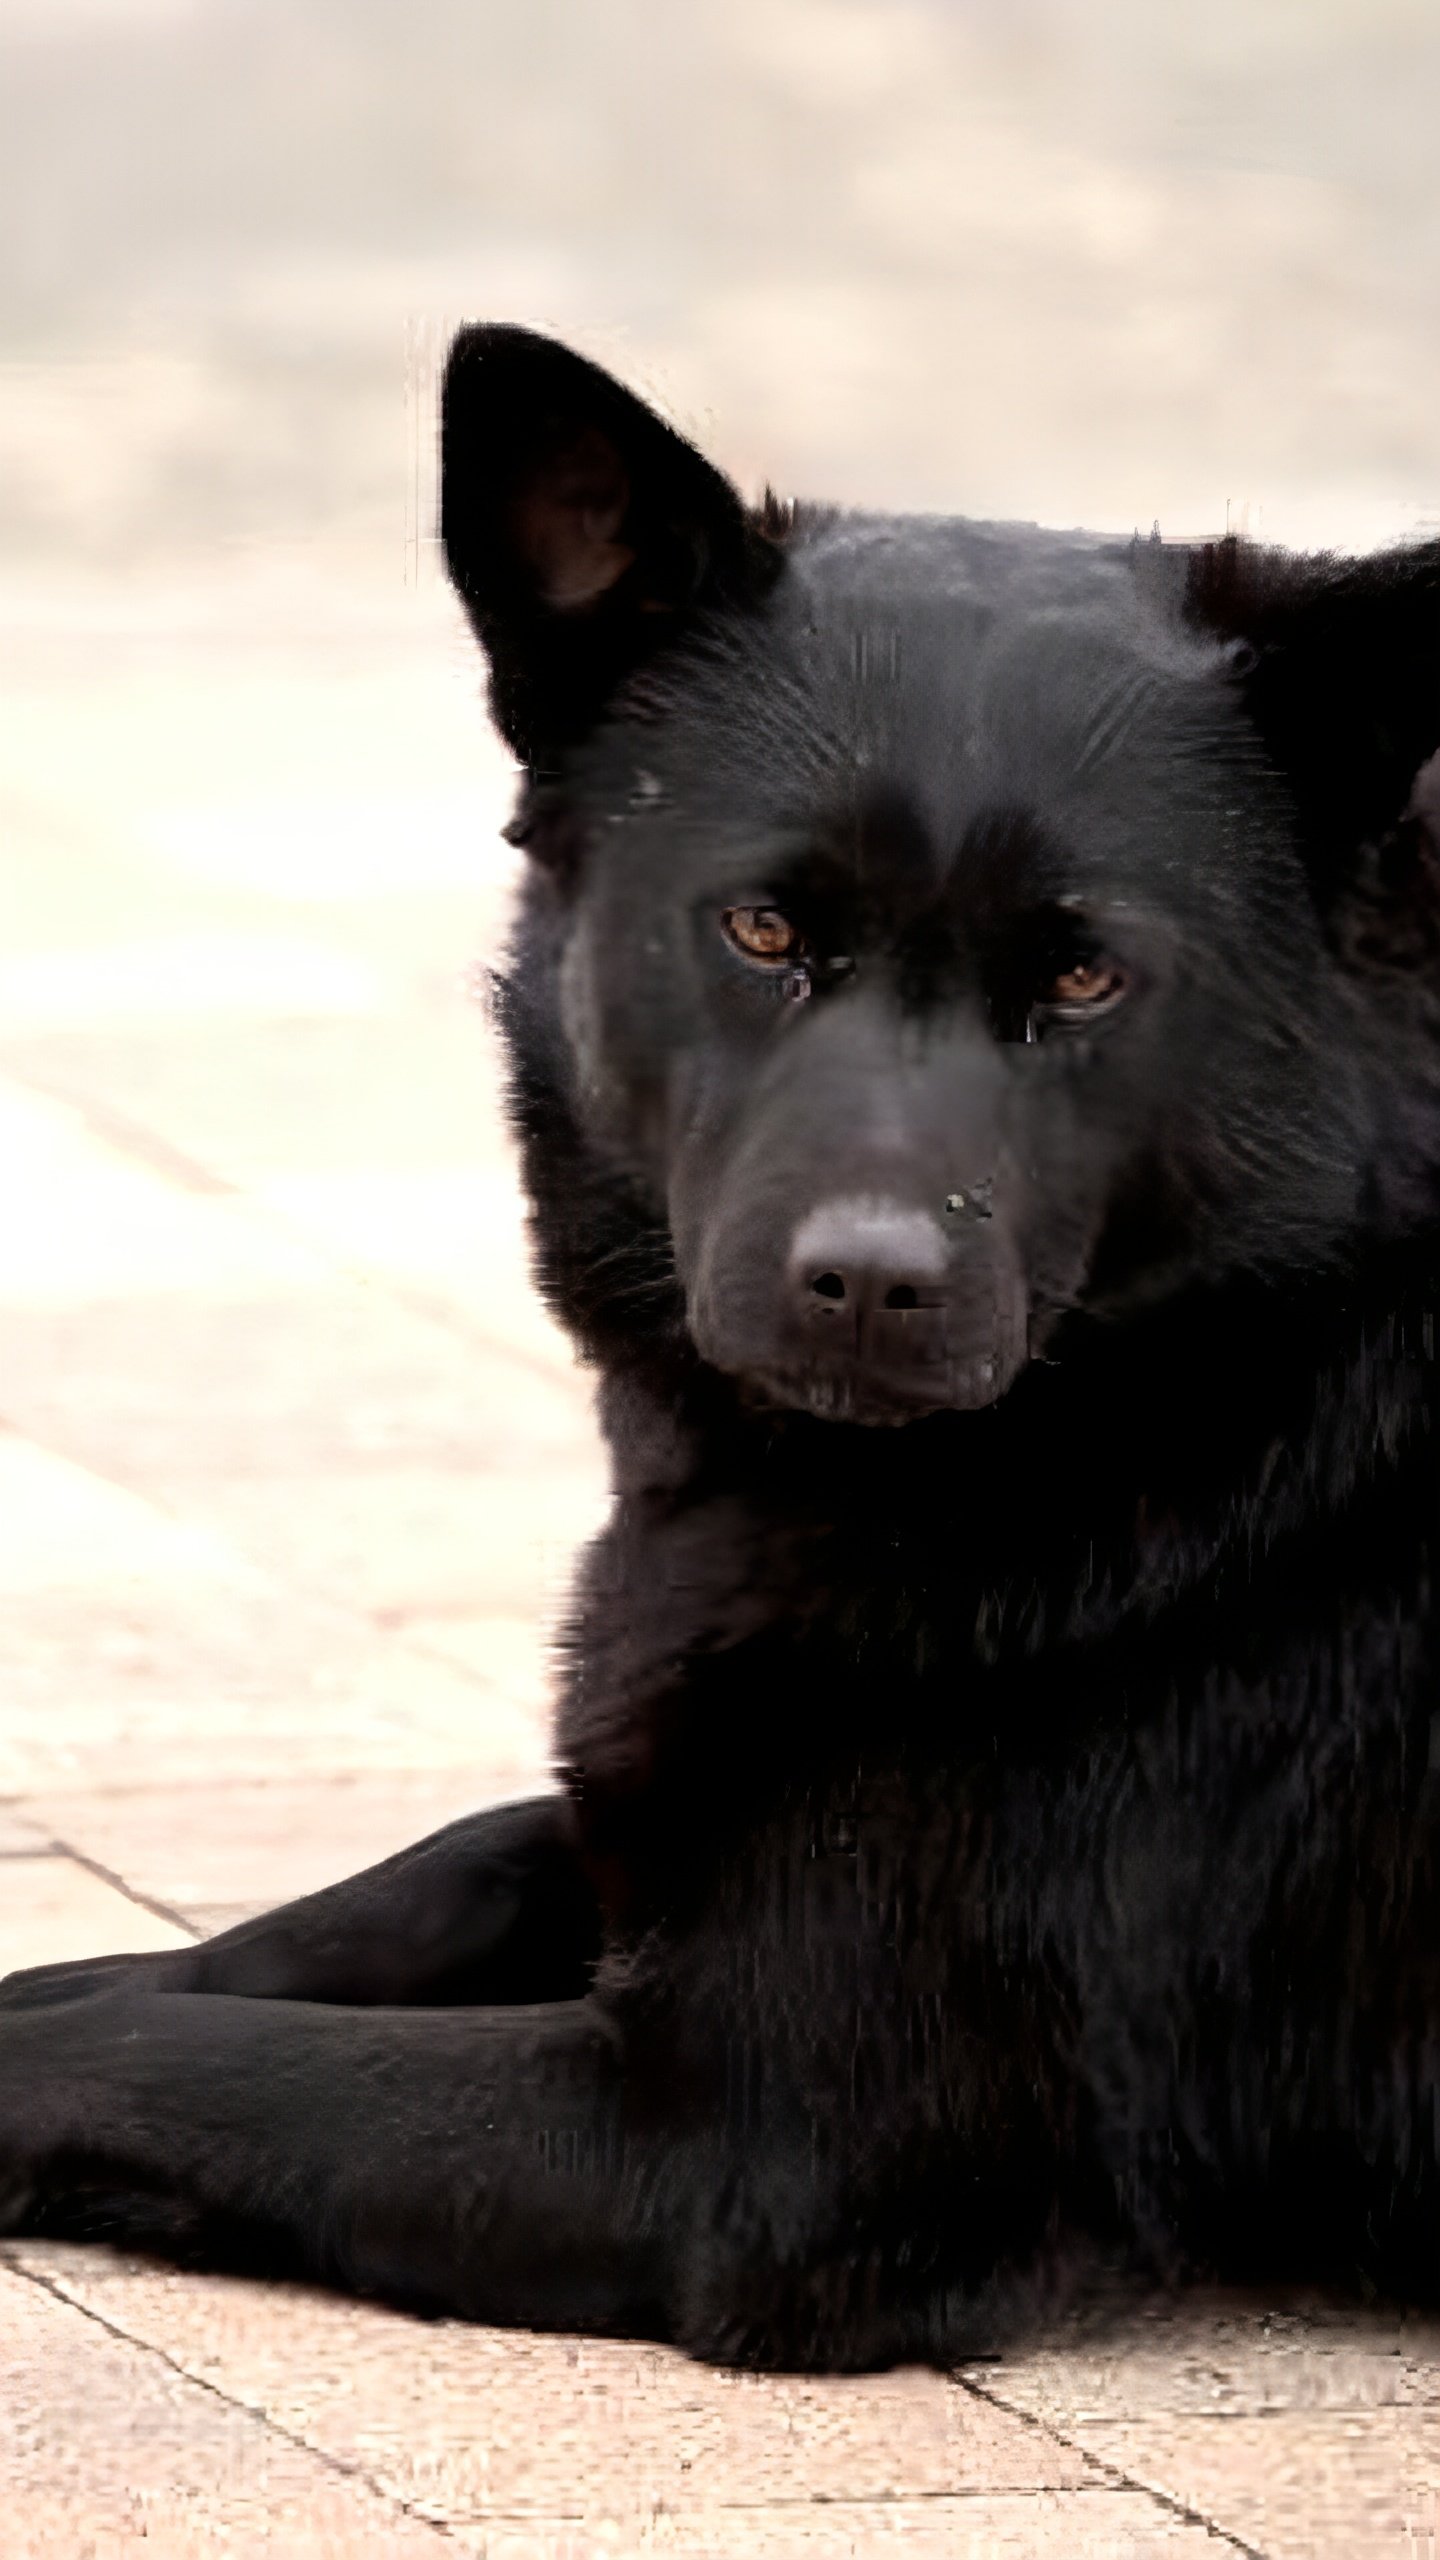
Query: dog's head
[[951, 930]]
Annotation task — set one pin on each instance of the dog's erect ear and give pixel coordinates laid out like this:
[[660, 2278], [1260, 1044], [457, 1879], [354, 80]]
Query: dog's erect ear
[[1340, 662], [580, 531]]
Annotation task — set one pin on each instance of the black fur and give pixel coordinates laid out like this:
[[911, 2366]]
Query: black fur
[[1001, 1827]]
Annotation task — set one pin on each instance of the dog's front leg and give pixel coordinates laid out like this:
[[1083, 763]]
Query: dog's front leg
[[495, 1907], [475, 2162]]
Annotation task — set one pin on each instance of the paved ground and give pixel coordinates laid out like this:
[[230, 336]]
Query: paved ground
[[289, 1468]]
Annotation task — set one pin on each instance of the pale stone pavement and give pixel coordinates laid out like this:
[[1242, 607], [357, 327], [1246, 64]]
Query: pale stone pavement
[[289, 1471]]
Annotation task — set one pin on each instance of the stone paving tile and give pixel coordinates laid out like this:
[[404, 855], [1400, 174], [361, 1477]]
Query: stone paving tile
[[1304, 2427], [299, 1383], [1296, 2484], [249, 1845], [72, 1534], [1030, 2525], [514, 1652], [320, 1094], [229, 1690], [174, 1651], [459, 1231], [113, 1226], [106, 2449], [445, 2416], [281, 1168], [52, 1908], [1214, 2354], [22, 1831], [480, 1539], [156, 954], [125, 2424]]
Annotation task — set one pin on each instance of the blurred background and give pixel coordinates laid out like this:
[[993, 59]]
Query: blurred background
[[290, 1463], [1086, 258]]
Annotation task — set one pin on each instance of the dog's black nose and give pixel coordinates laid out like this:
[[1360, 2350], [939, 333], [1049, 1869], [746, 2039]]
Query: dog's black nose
[[871, 1274]]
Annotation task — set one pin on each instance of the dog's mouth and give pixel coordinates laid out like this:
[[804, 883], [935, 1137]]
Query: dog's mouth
[[873, 1401], [873, 1335]]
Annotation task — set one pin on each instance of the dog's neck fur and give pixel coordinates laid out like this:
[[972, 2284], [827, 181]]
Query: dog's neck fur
[[1074, 1470], [860, 1568]]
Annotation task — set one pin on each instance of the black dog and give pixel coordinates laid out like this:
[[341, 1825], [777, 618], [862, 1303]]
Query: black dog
[[975, 1025]]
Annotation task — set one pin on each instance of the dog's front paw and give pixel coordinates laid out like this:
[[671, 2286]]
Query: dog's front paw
[[60, 2099], [29, 2122], [48, 1986], [19, 2196]]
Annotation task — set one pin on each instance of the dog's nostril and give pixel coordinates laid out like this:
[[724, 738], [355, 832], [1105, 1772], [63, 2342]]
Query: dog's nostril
[[869, 1277]]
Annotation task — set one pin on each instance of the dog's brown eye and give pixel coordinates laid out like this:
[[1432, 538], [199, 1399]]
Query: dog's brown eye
[[1087, 986], [762, 933]]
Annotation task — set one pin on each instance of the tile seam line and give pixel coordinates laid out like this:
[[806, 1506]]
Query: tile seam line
[[124, 1136], [136, 1143], [1113, 2473], [262, 2418], [806, 2501], [1356, 2409], [1111, 2477], [132, 1893]]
